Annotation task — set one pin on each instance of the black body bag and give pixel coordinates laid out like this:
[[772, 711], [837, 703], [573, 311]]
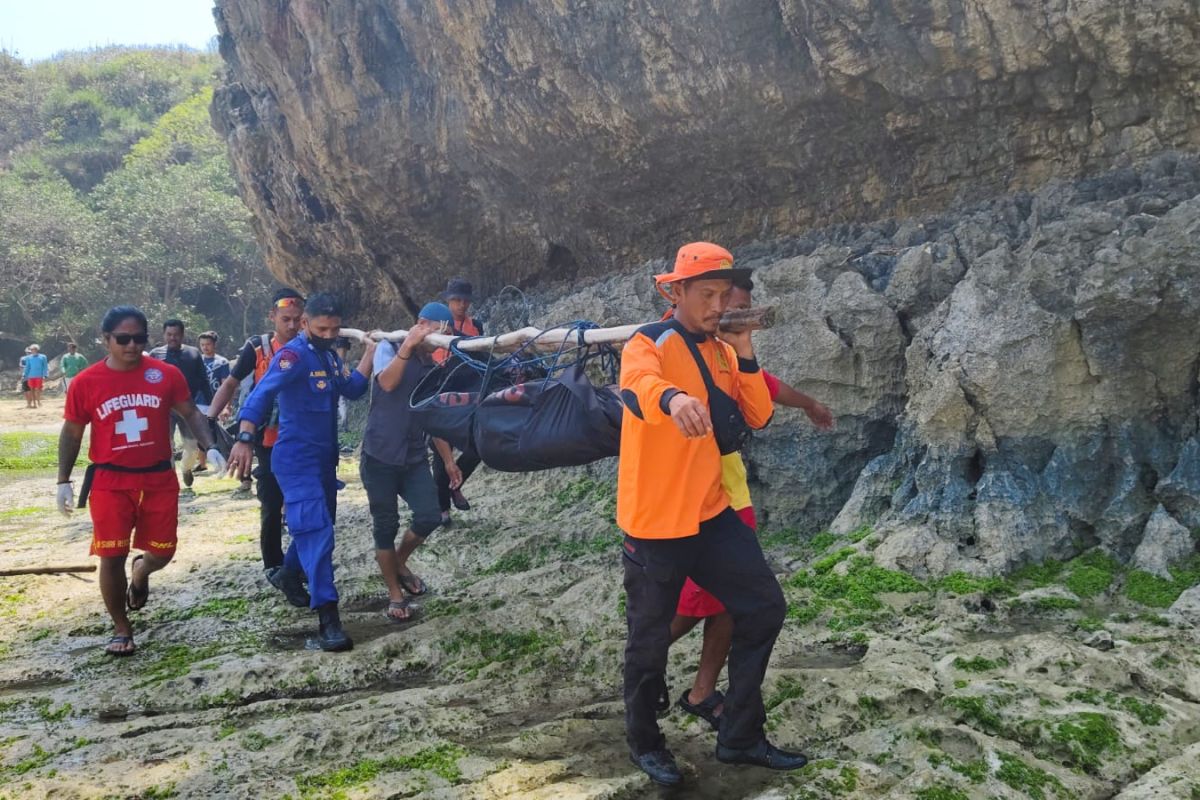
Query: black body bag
[[543, 424], [729, 425], [443, 403]]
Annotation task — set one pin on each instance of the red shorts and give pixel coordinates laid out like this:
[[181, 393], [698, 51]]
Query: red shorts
[[35, 383], [152, 517], [694, 601]]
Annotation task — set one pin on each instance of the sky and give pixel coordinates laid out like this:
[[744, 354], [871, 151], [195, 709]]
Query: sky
[[37, 29]]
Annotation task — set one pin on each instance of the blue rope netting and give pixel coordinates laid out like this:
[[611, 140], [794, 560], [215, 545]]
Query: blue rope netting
[[527, 360]]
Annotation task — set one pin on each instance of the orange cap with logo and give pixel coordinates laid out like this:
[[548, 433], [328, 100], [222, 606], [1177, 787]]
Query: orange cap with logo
[[702, 260]]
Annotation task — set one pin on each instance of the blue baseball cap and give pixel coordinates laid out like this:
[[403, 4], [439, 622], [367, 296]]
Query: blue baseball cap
[[436, 312]]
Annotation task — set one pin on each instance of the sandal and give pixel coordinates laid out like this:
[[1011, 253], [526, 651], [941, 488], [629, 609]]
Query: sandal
[[705, 709], [413, 585], [136, 598], [398, 605], [113, 650]]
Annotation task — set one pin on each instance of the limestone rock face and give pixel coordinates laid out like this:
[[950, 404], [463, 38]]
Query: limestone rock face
[[1013, 381], [383, 144]]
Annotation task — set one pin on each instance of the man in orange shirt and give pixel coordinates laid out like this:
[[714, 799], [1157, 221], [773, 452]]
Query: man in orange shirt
[[689, 399]]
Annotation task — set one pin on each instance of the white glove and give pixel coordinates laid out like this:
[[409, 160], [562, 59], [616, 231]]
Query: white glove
[[66, 498], [217, 462]]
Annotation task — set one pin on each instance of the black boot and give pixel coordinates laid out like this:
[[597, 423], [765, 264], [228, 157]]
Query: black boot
[[763, 754], [291, 583], [332, 638]]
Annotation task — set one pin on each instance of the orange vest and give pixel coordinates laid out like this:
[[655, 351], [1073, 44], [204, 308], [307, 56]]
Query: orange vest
[[668, 484], [262, 361], [469, 328]]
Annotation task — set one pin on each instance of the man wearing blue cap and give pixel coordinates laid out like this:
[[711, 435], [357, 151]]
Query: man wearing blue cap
[[394, 463]]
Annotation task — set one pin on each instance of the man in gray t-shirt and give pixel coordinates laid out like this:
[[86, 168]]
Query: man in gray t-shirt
[[394, 463]]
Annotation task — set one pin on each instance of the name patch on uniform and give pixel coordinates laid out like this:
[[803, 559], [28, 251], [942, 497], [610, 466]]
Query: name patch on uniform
[[317, 373], [154, 375], [288, 359]]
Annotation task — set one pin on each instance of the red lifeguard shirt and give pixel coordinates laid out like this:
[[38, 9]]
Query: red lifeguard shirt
[[129, 413]]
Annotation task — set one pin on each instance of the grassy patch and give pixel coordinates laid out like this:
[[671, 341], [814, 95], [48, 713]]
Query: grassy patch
[[978, 664], [1087, 737], [1146, 713], [980, 712], [1155, 592], [1031, 781], [962, 583], [15, 513], [1039, 575], [853, 597], [229, 609], [583, 491], [786, 688], [479, 648], [23, 451], [941, 792], [1091, 574], [441, 760], [1055, 604]]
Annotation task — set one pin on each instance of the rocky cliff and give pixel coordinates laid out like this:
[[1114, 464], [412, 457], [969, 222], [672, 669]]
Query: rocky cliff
[[382, 144], [1014, 381]]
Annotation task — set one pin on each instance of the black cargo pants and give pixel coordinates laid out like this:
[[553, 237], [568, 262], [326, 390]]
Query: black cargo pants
[[725, 559]]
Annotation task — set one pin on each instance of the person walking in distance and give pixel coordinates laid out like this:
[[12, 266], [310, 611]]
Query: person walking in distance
[[34, 373], [72, 363], [287, 310], [130, 486], [458, 296], [690, 398], [307, 377], [216, 366], [186, 359]]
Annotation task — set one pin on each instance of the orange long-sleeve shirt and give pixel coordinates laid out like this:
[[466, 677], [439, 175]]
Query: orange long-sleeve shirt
[[667, 484]]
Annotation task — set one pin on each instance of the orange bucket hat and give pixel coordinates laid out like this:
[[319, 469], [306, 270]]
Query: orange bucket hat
[[702, 260]]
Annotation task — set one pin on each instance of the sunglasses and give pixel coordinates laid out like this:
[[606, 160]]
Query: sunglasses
[[289, 302], [125, 338]]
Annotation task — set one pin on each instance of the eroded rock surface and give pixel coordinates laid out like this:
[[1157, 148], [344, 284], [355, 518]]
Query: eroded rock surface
[[382, 144]]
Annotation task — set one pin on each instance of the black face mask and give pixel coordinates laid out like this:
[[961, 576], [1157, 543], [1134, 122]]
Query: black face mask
[[322, 342]]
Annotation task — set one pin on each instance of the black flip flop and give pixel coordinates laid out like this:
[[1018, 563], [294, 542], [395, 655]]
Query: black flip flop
[[705, 709], [120, 653], [398, 604], [136, 598], [410, 581]]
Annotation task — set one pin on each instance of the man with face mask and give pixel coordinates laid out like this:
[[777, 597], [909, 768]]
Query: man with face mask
[[307, 377]]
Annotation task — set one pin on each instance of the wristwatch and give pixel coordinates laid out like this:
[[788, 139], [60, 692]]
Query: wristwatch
[[245, 437]]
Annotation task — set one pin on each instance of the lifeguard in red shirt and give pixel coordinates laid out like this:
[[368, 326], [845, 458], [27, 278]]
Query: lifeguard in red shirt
[[127, 399]]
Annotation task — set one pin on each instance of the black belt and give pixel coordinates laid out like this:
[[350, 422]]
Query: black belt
[[90, 473]]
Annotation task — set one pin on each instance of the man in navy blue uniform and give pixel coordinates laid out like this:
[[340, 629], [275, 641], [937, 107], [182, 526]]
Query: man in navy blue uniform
[[306, 377]]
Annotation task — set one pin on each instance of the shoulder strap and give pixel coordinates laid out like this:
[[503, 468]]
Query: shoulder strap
[[703, 367]]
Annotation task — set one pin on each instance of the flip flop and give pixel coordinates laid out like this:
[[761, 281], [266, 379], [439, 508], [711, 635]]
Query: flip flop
[[121, 640], [413, 585], [398, 605], [136, 598], [705, 709]]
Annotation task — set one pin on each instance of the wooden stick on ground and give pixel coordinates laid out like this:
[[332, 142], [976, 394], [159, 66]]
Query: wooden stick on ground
[[553, 338], [47, 570]]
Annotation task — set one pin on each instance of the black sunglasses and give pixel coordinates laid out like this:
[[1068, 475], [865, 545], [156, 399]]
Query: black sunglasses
[[126, 338]]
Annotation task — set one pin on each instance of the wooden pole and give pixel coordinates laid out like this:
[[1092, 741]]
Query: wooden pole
[[47, 570], [553, 338]]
